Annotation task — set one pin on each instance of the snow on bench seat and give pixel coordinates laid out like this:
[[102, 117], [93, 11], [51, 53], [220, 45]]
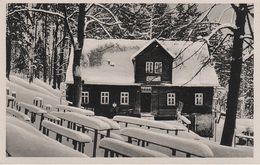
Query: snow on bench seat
[[113, 125], [188, 146], [126, 149], [31, 108], [23, 140], [66, 108], [226, 151], [75, 135], [51, 117], [112, 135], [17, 114], [86, 121], [147, 123]]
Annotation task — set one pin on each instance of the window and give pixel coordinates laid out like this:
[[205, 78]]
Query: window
[[171, 99], [149, 67], [85, 97], [198, 98], [158, 67], [104, 99], [124, 98]]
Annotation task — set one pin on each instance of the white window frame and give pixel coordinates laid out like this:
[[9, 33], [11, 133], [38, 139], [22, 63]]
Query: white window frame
[[198, 99], [85, 97], [124, 98], [171, 99], [149, 67], [104, 98], [158, 67]]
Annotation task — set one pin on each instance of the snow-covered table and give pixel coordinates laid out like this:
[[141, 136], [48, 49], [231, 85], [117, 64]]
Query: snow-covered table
[[23, 140], [66, 108], [175, 143], [17, 114], [125, 149], [35, 111], [148, 123], [79, 138], [83, 122]]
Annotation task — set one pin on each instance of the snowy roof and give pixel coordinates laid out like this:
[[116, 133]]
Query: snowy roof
[[188, 59]]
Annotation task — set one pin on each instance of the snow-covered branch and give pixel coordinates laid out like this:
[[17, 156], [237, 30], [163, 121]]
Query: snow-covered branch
[[36, 10], [101, 22], [224, 26], [247, 56]]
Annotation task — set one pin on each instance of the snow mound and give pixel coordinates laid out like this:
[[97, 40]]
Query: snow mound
[[66, 108], [46, 86], [31, 86], [186, 145], [23, 140], [26, 94], [87, 121], [127, 149], [78, 136]]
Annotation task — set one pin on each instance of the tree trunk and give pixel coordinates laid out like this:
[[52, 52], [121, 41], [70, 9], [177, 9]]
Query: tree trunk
[[55, 57], [234, 82], [8, 56], [45, 46], [77, 56], [61, 59]]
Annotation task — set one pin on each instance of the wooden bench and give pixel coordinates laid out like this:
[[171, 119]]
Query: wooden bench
[[66, 108], [116, 147], [83, 123], [78, 138], [38, 102], [246, 137], [174, 143], [52, 118], [35, 111], [10, 101], [17, 114], [148, 123]]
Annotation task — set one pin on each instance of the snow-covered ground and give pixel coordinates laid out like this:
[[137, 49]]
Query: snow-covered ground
[[26, 92]]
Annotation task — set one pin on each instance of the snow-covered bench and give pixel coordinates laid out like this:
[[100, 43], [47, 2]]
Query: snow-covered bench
[[124, 149], [17, 114], [84, 122], [148, 123], [78, 138], [35, 111], [226, 151], [246, 137], [23, 140], [38, 102], [66, 108], [10, 101], [51, 118], [175, 143]]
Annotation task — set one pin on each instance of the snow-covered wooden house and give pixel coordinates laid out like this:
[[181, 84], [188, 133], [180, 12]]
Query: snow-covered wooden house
[[135, 76]]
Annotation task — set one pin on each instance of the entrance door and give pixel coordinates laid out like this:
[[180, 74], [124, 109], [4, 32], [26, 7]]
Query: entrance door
[[145, 102]]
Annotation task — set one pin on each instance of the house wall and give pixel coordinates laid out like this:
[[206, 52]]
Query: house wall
[[153, 53], [185, 95], [114, 97]]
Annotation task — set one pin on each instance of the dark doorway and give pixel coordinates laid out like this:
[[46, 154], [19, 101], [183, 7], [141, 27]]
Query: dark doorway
[[145, 102]]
